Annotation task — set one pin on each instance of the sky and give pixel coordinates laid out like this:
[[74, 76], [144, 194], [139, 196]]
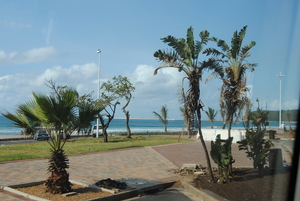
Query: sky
[[58, 40]]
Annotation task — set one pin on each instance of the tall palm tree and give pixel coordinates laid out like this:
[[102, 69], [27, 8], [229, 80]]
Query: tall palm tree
[[234, 90], [163, 117], [184, 57], [211, 114]]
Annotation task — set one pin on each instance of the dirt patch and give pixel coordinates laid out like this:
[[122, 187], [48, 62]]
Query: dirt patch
[[83, 193], [247, 185]]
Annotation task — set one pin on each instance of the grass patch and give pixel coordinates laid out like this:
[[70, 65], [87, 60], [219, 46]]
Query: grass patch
[[82, 146]]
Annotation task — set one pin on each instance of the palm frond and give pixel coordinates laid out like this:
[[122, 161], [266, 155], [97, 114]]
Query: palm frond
[[190, 41], [170, 57], [214, 52], [164, 112], [247, 47], [204, 35], [158, 116], [223, 45], [236, 42]]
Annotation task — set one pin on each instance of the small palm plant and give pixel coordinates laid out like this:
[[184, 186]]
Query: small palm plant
[[58, 182], [60, 114], [57, 113], [163, 118]]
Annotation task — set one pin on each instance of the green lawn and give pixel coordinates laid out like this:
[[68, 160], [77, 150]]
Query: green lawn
[[41, 149]]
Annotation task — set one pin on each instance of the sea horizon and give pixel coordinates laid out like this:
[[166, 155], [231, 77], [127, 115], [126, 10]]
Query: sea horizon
[[139, 125]]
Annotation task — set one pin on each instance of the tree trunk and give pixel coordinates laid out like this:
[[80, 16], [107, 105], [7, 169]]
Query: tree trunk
[[229, 135], [104, 128], [204, 146], [127, 124], [105, 138], [127, 116], [229, 126]]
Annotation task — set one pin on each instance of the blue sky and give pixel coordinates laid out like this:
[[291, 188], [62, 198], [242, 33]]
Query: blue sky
[[58, 40]]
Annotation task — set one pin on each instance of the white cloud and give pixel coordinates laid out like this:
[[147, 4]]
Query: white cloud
[[18, 88], [154, 91], [29, 56], [76, 75], [151, 91], [290, 104]]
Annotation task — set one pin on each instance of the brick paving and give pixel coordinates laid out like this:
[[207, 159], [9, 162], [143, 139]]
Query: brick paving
[[148, 163]]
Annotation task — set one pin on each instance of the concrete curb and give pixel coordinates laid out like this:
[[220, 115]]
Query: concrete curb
[[202, 194], [115, 196], [136, 192], [14, 191]]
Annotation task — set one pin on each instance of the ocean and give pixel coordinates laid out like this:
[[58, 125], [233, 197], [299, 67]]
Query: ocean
[[136, 125]]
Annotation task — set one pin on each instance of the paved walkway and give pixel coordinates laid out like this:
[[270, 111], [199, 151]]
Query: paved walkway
[[149, 164]]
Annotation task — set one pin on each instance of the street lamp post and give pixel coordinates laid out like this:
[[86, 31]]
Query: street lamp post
[[98, 52], [280, 76]]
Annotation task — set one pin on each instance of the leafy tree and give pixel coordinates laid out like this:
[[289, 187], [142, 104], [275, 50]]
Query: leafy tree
[[163, 117], [88, 110], [234, 90], [127, 95], [112, 92], [256, 147], [183, 56], [211, 114]]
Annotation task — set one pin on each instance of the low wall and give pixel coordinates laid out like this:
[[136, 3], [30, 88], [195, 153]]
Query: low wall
[[211, 134]]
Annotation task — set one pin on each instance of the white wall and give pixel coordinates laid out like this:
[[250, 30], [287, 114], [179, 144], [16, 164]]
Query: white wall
[[210, 134]]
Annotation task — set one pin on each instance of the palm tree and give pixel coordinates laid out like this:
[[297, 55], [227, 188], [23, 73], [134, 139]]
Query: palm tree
[[163, 117], [234, 91], [184, 57], [59, 112], [211, 114], [62, 112]]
